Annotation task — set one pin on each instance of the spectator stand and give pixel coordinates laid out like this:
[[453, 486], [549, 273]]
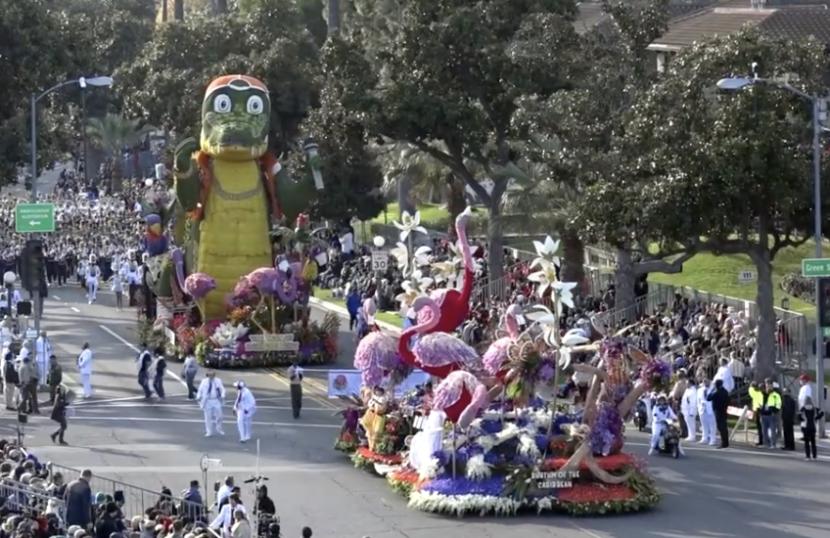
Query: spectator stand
[[26, 499]]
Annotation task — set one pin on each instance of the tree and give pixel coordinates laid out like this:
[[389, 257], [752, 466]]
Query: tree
[[269, 42], [353, 180], [37, 50], [178, 10], [728, 173], [445, 77], [573, 135], [113, 133]]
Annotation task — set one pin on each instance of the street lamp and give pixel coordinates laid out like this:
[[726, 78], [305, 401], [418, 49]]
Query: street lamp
[[82, 83], [734, 84], [378, 241]]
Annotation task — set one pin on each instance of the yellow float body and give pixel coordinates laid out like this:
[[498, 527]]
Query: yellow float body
[[234, 234]]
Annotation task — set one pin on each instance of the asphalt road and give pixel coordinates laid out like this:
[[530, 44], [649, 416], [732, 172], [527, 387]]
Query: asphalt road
[[739, 492]]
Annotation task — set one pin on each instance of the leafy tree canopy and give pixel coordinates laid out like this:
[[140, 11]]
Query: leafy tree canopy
[[445, 77], [166, 82]]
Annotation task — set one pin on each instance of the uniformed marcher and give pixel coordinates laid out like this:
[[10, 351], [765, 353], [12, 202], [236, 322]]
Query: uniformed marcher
[[295, 377], [244, 407], [211, 396]]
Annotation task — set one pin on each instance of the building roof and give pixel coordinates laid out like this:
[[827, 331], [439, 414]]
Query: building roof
[[797, 23], [792, 19]]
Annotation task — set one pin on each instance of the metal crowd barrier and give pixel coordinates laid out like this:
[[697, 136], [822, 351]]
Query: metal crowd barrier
[[137, 500], [22, 498]]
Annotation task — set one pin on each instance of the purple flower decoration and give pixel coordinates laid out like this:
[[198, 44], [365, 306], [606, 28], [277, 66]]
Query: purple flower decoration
[[262, 279], [656, 373], [198, 285], [462, 486], [606, 434], [546, 372]]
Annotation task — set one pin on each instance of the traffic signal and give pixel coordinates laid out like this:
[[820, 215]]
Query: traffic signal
[[824, 302], [33, 265]]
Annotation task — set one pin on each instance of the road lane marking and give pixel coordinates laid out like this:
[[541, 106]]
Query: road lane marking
[[56, 297], [297, 424], [192, 406], [74, 309], [131, 346]]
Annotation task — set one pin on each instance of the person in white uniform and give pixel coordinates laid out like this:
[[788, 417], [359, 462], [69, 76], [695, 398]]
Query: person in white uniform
[[706, 412], [662, 413], [43, 350], [724, 373], [85, 369], [688, 406], [92, 274], [244, 407], [211, 396]]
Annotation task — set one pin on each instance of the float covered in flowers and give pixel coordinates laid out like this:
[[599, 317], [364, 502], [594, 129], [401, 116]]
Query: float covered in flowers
[[496, 435]]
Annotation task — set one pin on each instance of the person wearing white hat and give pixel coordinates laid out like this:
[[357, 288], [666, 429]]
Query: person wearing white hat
[[244, 407], [211, 396]]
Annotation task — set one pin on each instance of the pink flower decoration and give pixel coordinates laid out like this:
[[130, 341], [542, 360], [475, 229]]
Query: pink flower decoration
[[263, 279], [198, 285]]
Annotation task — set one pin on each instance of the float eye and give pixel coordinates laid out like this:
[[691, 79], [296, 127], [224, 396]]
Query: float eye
[[222, 103], [255, 105]]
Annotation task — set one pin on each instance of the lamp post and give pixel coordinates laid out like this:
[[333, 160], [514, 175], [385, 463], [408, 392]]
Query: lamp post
[[82, 83], [734, 84], [378, 241]]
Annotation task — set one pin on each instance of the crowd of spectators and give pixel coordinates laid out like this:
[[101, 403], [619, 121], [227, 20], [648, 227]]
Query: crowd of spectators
[[38, 501]]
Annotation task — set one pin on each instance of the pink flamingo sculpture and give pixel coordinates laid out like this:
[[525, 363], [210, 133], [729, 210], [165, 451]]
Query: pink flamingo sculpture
[[461, 396], [437, 353], [454, 305], [375, 356], [496, 354]]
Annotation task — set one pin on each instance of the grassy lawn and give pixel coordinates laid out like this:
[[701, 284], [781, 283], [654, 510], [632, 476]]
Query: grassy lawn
[[391, 318], [433, 217], [719, 274]]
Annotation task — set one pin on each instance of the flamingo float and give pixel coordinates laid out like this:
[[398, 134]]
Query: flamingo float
[[436, 353], [453, 304], [496, 355]]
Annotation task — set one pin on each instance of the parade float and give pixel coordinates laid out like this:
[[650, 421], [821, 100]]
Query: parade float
[[233, 281], [497, 435]]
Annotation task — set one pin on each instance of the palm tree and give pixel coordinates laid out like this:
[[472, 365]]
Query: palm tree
[[112, 134]]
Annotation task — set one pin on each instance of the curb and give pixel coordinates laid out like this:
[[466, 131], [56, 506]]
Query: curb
[[341, 311]]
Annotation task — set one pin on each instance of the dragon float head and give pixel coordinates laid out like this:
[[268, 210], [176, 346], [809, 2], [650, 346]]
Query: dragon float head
[[235, 118]]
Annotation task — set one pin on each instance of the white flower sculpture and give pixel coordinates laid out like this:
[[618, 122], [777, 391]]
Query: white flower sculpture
[[478, 469], [226, 334], [409, 224], [414, 287]]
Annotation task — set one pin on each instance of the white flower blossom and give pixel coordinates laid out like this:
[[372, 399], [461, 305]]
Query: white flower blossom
[[409, 224], [548, 250], [477, 468], [421, 257], [527, 446], [544, 277], [401, 255]]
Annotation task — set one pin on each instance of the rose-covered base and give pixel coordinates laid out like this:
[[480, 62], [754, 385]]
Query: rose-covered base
[[461, 496], [265, 359], [363, 458]]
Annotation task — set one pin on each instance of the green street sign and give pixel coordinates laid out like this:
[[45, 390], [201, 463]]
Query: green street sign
[[815, 267], [826, 332], [34, 218]]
